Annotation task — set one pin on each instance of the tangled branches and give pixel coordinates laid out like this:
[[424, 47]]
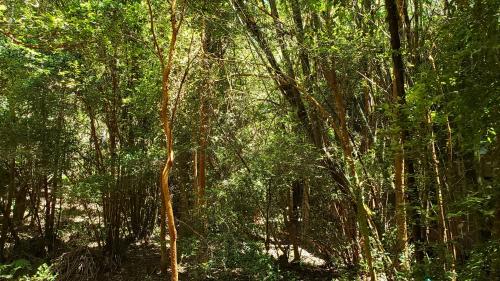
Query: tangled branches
[[81, 264]]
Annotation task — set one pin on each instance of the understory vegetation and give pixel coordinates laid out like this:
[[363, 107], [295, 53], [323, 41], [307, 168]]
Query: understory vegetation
[[249, 140]]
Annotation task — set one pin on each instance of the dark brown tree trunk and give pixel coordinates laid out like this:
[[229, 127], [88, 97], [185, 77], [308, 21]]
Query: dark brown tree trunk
[[280, 33], [21, 205], [6, 220], [296, 200], [398, 139], [112, 198], [299, 30]]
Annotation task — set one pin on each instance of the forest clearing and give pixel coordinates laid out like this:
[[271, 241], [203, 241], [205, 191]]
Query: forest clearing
[[315, 140]]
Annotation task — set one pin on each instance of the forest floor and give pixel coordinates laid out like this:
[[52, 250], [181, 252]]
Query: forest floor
[[142, 264], [140, 261]]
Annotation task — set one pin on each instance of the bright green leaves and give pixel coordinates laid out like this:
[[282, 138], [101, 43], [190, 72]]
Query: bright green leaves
[[3, 9]]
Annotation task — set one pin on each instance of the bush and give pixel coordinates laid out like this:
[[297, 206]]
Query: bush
[[43, 273], [14, 269], [21, 270]]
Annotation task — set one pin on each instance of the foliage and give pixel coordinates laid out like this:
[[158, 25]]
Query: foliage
[[43, 273], [21, 270], [288, 132], [14, 269]]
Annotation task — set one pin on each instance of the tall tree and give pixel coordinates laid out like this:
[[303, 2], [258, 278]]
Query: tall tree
[[166, 118], [399, 99]]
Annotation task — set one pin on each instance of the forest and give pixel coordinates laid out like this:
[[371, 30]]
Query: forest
[[249, 140]]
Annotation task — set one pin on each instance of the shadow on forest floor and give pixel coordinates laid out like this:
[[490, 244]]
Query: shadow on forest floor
[[142, 264]]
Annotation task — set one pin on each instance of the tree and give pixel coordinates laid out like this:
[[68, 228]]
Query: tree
[[166, 119], [399, 99]]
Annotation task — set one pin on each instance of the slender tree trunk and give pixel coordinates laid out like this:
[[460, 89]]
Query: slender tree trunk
[[296, 199], [495, 263], [211, 45], [6, 221], [306, 208], [281, 39], [166, 120], [441, 186], [202, 151], [416, 217], [49, 224], [111, 209], [167, 200], [195, 175], [343, 134], [20, 206], [444, 230], [163, 239], [367, 132], [268, 210], [299, 30], [399, 159]]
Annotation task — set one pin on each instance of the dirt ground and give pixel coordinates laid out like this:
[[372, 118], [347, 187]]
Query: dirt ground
[[142, 264]]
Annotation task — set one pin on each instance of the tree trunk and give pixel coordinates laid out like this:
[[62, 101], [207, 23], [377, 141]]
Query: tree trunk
[[342, 132], [444, 231], [295, 202], [398, 139], [6, 221], [163, 233], [166, 120], [202, 151], [290, 90], [112, 199], [441, 185], [268, 210], [416, 217]]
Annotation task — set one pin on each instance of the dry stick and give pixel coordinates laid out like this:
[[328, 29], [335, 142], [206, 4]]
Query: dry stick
[[444, 222]]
